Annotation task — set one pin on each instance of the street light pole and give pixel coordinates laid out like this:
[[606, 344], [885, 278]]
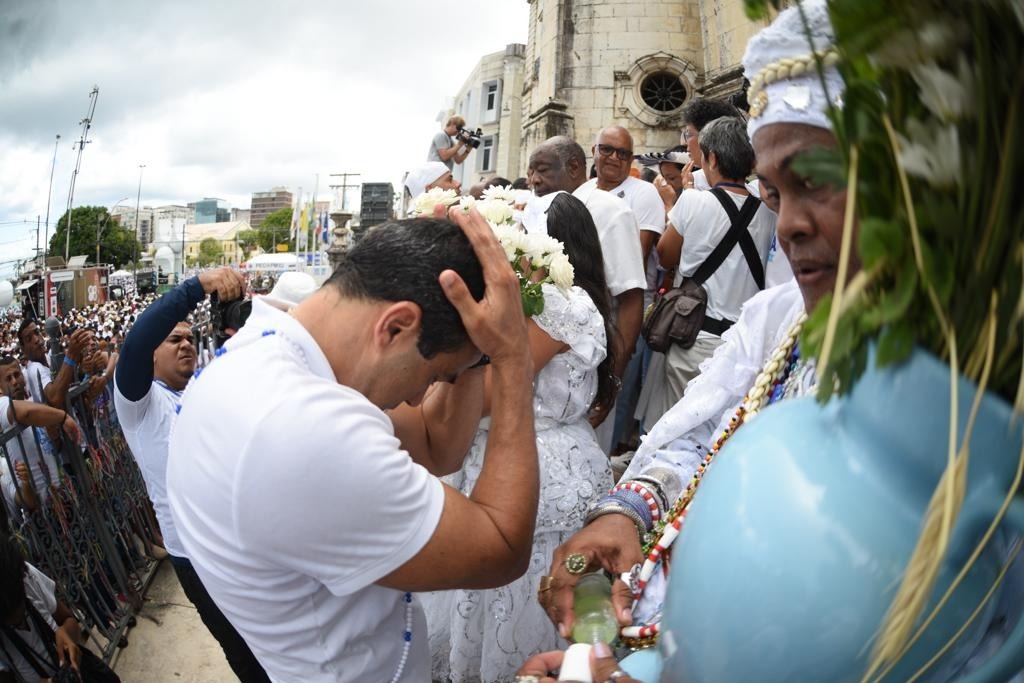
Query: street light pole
[[135, 242]]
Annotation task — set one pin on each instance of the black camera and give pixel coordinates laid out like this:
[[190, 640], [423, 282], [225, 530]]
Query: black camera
[[227, 317], [471, 138]]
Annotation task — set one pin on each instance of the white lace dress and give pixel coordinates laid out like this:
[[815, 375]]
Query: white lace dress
[[486, 635]]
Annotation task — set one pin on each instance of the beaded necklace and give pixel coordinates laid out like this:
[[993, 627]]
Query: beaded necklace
[[406, 597], [769, 387]]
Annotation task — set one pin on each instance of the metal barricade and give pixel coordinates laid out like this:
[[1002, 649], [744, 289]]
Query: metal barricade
[[82, 516]]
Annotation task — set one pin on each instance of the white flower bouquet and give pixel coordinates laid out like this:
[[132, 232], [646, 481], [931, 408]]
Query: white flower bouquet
[[537, 258]]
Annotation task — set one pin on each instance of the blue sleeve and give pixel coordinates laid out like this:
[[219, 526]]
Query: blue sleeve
[[134, 373]]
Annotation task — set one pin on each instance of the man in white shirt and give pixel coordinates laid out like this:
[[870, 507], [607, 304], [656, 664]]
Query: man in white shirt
[[613, 158], [288, 483], [33, 447], [561, 164], [700, 219], [37, 372]]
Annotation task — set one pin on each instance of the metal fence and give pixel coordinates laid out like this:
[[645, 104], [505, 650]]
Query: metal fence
[[86, 520]]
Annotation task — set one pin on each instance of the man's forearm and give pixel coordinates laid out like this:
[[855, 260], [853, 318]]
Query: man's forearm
[[56, 392], [508, 484], [629, 317], [134, 371]]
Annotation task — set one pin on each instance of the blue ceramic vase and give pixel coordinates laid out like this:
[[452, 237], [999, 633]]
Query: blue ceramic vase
[[796, 543]]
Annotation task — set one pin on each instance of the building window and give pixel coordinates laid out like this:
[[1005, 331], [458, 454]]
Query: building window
[[491, 101], [487, 154], [663, 91]]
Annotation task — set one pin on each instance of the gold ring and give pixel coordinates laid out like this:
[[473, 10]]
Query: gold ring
[[545, 583], [576, 563]]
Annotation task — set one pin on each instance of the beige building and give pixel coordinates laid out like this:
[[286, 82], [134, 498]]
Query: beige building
[[225, 234], [490, 100], [591, 63]]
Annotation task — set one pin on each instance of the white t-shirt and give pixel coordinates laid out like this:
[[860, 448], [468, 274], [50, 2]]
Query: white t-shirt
[[292, 497], [700, 219], [37, 378], [26, 448], [648, 208], [40, 590], [146, 424], [619, 233], [778, 270]]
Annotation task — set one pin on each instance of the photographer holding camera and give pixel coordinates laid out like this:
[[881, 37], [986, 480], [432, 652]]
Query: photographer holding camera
[[156, 362], [451, 151]]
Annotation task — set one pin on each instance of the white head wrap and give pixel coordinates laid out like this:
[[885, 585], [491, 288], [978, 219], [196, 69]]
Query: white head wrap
[[423, 175], [535, 213], [785, 86]]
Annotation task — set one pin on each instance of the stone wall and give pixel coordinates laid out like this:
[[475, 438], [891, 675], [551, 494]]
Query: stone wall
[[587, 62]]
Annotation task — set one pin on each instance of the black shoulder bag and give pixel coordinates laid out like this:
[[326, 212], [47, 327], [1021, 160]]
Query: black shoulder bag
[[677, 316]]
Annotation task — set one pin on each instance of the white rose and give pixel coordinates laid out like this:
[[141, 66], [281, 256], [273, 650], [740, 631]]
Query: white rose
[[508, 238], [561, 272], [424, 204], [495, 211]]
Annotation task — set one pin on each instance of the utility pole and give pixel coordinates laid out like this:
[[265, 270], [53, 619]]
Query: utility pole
[[86, 125], [344, 184], [49, 192], [135, 242]]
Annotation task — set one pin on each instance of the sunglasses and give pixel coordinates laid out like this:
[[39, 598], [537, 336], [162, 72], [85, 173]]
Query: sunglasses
[[621, 154]]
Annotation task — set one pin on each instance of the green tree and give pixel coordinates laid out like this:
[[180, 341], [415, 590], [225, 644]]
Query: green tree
[[87, 222], [210, 252], [276, 227]]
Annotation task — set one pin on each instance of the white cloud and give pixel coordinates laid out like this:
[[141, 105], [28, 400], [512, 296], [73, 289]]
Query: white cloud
[[224, 99]]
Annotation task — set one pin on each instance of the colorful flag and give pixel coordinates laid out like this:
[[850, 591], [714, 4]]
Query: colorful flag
[[327, 231], [303, 235], [319, 227], [295, 216]]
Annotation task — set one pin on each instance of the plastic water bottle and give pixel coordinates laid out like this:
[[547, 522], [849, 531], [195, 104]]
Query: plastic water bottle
[[595, 619]]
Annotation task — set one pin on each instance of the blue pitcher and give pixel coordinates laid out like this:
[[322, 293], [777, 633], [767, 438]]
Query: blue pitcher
[[795, 545]]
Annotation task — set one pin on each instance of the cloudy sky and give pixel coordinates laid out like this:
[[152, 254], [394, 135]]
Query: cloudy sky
[[222, 98]]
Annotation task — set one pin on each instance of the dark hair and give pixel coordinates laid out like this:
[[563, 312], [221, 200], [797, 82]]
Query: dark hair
[[24, 326], [12, 576], [497, 181], [648, 174], [701, 111], [520, 184], [570, 222], [7, 359], [400, 261], [727, 139]]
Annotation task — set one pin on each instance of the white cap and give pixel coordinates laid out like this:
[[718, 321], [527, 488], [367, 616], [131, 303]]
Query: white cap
[[576, 664], [421, 176], [780, 64], [292, 288]]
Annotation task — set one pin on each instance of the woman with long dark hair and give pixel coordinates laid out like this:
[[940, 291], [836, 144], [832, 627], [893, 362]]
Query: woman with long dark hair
[[485, 635]]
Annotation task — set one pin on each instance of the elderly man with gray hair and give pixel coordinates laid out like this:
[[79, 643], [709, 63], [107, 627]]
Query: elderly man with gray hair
[[703, 220]]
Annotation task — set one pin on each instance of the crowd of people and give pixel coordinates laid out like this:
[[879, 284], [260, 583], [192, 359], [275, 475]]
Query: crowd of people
[[400, 476]]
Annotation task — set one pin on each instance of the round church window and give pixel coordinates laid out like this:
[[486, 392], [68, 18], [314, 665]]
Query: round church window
[[663, 91]]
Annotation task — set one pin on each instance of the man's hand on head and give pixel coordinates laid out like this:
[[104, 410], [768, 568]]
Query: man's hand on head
[[495, 324], [227, 282]]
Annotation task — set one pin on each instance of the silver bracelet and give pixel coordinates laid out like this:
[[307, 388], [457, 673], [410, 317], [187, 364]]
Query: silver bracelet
[[666, 483], [616, 508]]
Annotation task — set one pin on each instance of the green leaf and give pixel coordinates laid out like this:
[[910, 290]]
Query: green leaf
[[894, 344], [893, 303], [879, 240], [821, 166], [533, 299]]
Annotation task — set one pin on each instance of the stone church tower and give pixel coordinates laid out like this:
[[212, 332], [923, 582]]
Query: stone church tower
[[592, 63]]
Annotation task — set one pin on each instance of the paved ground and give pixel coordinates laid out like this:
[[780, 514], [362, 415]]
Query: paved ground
[[170, 644]]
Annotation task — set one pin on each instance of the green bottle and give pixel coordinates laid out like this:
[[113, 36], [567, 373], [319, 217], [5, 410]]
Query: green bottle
[[595, 619]]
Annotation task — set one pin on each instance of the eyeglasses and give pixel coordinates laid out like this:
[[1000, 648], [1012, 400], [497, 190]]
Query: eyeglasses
[[621, 154], [687, 135]]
